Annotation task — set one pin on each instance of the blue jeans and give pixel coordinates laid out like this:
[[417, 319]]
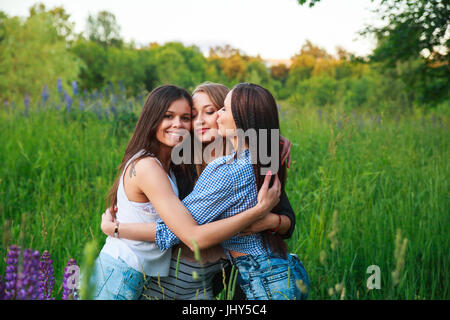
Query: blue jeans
[[116, 280], [270, 277]]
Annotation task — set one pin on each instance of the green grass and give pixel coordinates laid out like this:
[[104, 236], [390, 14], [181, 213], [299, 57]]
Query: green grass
[[378, 177]]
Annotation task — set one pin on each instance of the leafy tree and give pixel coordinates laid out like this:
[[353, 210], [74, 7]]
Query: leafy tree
[[311, 3], [104, 29], [60, 17], [414, 40], [412, 28], [93, 70], [279, 72], [33, 54]]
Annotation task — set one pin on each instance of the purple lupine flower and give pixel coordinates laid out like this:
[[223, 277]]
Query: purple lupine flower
[[45, 94], [59, 85], [71, 273], [11, 272], [26, 101], [28, 280], [68, 100], [74, 88], [6, 105], [47, 279], [113, 109]]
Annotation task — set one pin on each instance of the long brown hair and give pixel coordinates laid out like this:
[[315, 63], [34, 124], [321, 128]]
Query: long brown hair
[[215, 91], [254, 107], [144, 135]]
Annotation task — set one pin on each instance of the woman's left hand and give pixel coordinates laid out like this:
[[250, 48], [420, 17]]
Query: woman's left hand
[[269, 221], [108, 223]]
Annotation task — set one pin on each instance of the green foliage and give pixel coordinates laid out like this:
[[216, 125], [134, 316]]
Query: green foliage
[[101, 59], [412, 26], [104, 29], [33, 53], [416, 31]]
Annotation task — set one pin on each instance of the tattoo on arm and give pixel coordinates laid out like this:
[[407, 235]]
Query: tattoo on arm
[[132, 170]]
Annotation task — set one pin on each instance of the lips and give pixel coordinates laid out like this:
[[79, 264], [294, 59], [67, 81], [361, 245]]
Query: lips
[[202, 130]]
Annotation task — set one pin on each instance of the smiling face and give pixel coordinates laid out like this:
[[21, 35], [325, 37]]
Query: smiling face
[[225, 121], [204, 118], [176, 123]]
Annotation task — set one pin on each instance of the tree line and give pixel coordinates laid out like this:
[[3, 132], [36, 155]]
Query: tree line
[[38, 50]]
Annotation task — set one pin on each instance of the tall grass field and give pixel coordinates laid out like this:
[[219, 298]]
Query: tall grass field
[[367, 190]]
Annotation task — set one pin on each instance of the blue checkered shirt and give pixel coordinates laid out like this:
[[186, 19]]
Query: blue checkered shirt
[[226, 187]]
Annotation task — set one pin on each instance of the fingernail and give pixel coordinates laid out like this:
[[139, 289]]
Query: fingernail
[[269, 173]]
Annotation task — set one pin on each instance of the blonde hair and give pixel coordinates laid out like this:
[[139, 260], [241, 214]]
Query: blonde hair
[[216, 92]]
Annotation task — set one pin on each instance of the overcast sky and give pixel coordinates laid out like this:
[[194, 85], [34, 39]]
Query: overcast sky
[[274, 29]]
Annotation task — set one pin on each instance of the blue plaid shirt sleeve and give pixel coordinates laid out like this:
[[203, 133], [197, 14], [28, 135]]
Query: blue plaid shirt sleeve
[[212, 195]]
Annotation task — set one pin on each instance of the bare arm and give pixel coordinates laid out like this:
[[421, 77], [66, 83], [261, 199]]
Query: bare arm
[[153, 181], [269, 222]]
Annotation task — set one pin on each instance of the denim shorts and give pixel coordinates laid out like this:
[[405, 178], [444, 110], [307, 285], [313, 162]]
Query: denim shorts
[[270, 277], [114, 279]]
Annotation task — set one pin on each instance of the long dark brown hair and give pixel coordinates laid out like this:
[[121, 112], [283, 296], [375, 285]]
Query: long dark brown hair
[[254, 107], [144, 135]]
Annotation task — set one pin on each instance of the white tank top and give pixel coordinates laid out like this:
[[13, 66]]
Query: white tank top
[[140, 255]]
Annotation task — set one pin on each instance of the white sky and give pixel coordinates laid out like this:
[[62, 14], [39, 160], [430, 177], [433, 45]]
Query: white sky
[[274, 29]]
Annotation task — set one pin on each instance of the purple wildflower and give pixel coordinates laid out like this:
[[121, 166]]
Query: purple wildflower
[[26, 101], [59, 85], [70, 291], [47, 279], [12, 268], [28, 279], [113, 109], [68, 100], [45, 95], [74, 87]]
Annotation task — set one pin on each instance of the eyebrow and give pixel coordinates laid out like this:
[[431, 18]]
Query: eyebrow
[[208, 105], [183, 113]]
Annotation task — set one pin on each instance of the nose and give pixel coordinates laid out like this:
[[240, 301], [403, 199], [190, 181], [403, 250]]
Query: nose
[[199, 119], [176, 123]]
